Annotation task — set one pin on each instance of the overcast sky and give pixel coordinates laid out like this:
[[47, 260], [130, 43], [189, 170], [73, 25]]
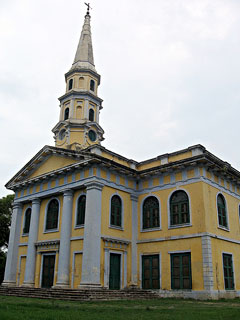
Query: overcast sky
[[170, 75]]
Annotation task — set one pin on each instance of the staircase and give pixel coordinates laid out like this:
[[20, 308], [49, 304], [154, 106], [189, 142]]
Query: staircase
[[79, 295]]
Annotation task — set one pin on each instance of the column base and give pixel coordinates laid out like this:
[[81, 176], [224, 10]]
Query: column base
[[90, 286], [132, 286], [9, 283], [28, 285]]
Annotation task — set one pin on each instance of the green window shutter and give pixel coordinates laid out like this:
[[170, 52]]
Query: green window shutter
[[222, 214], [27, 220], [228, 272], [179, 208], [150, 272], [116, 211], [151, 213], [181, 275], [81, 210], [52, 215]]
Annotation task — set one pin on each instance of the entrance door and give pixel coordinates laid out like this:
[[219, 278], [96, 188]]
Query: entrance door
[[48, 271], [150, 272], [115, 267]]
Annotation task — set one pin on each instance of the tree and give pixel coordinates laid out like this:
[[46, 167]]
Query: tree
[[5, 222]]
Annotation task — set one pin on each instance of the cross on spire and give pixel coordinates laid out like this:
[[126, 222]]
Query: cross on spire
[[88, 7]]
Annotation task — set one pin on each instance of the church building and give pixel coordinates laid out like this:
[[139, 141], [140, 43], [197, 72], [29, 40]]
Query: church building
[[87, 217]]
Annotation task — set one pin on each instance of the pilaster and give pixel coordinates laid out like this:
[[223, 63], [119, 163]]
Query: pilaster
[[134, 274], [207, 263], [12, 255], [29, 276], [64, 252], [92, 237]]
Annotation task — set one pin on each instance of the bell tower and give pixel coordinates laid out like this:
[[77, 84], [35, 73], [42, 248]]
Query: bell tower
[[78, 125]]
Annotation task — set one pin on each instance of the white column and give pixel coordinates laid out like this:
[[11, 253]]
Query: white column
[[92, 237], [12, 255], [134, 275], [29, 276], [207, 263], [64, 252], [86, 107], [106, 268], [125, 269]]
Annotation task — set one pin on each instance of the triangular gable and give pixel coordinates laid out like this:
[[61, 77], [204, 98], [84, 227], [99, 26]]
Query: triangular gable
[[48, 159], [53, 162]]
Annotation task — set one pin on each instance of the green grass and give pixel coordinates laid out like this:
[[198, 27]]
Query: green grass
[[13, 308]]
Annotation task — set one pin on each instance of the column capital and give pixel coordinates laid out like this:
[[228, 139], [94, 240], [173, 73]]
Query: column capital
[[36, 201], [134, 197], [67, 192], [17, 205], [94, 185]]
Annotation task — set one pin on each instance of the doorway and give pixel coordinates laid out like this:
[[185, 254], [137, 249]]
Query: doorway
[[48, 270], [115, 269]]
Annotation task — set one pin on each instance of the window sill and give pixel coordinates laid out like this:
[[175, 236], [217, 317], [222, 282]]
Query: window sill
[[51, 230], [151, 229], [224, 228], [185, 225], [116, 228], [25, 234], [81, 226]]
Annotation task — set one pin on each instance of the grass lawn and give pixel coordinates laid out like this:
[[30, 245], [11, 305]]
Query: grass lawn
[[12, 308]]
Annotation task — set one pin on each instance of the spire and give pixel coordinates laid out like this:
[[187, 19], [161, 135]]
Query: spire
[[84, 54]]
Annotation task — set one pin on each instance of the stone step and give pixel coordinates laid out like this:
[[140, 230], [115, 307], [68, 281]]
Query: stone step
[[78, 295]]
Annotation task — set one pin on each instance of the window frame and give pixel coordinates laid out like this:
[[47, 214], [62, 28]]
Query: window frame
[[232, 261], [93, 113], [141, 221], [45, 217], [90, 85], [79, 226], [65, 110], [70, 81], [112, 226], [226, 228], [181, 254], [182, 225], [24, 221]]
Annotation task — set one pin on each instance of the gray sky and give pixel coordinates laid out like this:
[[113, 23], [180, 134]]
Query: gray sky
[[170, 75]]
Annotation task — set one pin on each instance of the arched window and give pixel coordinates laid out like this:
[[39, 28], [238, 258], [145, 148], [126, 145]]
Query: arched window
[[81, 206], [91, 115], [222, 212], [27, 220], [116, 211], [179, 208], [151, 213], [66, 114], [92, 85], [70, 84], [52, 215]]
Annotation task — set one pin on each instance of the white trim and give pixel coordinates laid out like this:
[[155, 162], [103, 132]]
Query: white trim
[[24, 217], [76, 209], [45, 216], [122, 212], [141, 214], [140, 268], [231, 254], [189, 224], [73, 266], [19, 267], [226, 208], [52, 253], [239, 212]]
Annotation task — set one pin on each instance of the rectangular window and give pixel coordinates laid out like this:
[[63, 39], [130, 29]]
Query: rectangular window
[[181, 277], [228, 271], [150, 272]]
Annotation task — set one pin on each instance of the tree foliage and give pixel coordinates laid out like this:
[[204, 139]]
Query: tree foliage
[[5, 219], [5, 222]]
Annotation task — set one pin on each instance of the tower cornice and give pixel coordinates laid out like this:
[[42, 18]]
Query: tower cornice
[[75, 93]]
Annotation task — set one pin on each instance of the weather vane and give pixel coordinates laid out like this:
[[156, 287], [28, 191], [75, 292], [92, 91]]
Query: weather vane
[[88, 7]]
